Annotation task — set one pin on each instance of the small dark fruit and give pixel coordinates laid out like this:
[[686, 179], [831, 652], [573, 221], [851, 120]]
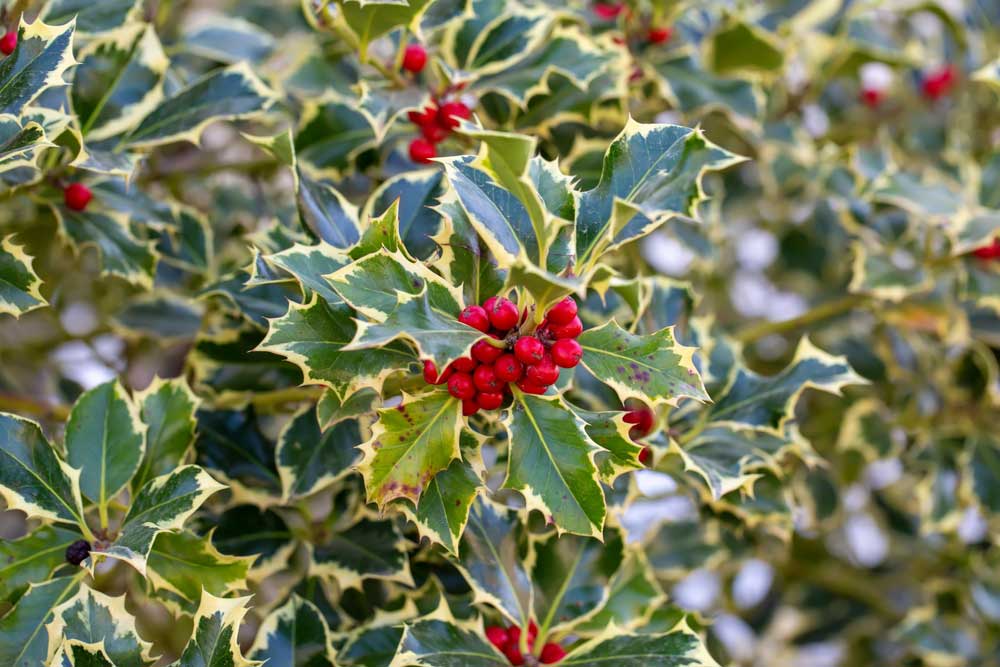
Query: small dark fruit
[[77, 552]]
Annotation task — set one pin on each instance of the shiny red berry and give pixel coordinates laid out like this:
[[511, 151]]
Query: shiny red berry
[[461, 386], [450, 113], [77, 196], [470, 407], [608, 10], [475, 317], [642, 419], [489, 400], [660, 34], [563, 312], [414, 58], [434, 133], [572, 329], [529, 350], [529, 387], [566, 353], [508, 368], [8, 43], [430, 372], [486, 353], [485, 379], [426, 116], [504, 315], [422, 151], [551, 654], [645, 456], [497, 636], [463, 365], [544, 373], [939, 82], [872, 98], [991, 251], [514, 655]]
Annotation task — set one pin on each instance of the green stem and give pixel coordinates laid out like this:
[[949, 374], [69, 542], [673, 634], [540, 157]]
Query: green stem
[[822, 312]]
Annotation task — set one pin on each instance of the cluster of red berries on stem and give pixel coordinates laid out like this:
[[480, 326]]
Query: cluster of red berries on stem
[[435, 122], [642, 423], [8, 43], [76, 196], [508, 642], [529, 360]]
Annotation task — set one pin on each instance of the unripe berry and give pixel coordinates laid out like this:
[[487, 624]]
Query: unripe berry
[[461, 387], [475, 317], [497, 636], [422, 151], [544, 373], [485, 353], [508, 368], [660, 34], [566, 353], [450, 113], [77, 552], [529, 387], [485, 379], [464, 365], [570, 330], [551, 654], [414, 58], [563, 312], [470, 407], [8, 43], [504, 315], [529, 350], [77, 196], [489, 400]]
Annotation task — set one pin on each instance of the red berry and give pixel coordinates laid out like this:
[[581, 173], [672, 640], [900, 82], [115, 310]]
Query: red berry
[[660, 35], [470, 407], [529, 387], [508, 368], [461, 387], [77, 196], [463, 365], [475, 317], [414, 58], [529, 350], [486, 379], [428, 116], [450, 113], [8, 43], [939, 82], [514, 655], [570, 330], [485, 353], [434, 133], [608, 10], [552, 653], [563, 312], [497, 636], [422, 151], [489, 400], [430, 372], [645, 456], [544, 373], [566, 353], [871, 97], [490, 302], [642, 419], [504, 314], [991, 251], [532, 632]]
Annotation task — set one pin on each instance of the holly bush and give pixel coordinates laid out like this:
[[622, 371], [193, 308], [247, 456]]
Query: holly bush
[[401, 333]]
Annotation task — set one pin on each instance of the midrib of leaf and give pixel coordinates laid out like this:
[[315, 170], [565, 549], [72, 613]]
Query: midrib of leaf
[[102, 503], [173, 499], [34, 556], [45, 484], [101, 103], [76, 578], [548, 452], [544, 630], [28, 64], [506, 575], [444, 406]]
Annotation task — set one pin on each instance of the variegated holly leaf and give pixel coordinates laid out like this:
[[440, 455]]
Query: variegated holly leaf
[[729, 458], [32, 558], [106, 440], [410, 444], [20, 286], [551, 463], [414, 193], [93, 17], [373, 646], [25, 641], [74, 653], [489, 558], [331, 410], [229, 39], [742, 47], [368, 20], [633, 595], [231, 444], [33, 478], [310, 265], [444, 643], [382, 232], [678, 648], [118, 82], [214, 642], [651, 173], [571, 575], [982, 284], [378, 283], [43, 54], [227, 94], [443, 509], [367, 550], [610, 432], [314, 335], [246, 530], [167, 408], [767, 403], [295, 635], [93, 617], [327, 213], [122, 254], [693, 89], [310, 459], [163, 504], [654, 368], [330, 136], [891, 273], [21, 143], [184, 564], [465, 258]]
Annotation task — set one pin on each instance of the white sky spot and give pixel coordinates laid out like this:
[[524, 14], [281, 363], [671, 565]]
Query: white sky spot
[[866, 541], [697, 591], [876, 76], [78, 318], [752, 582], [666, 254]]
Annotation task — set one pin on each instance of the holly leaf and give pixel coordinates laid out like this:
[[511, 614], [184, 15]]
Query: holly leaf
[[93, 617], [227, 94], [184, 564], [214, 642], [654, 368], [891, 273], [678, 648], [414, 193], [410, 444], [93, 17], [382, 232], [106, 440], [442, 643], [984, 464], [331, 410], [310, 265], [32, 558], [294, 635], [367, 550], [331, 136], [167, 408], [633, 595], [730, 458], [327, 213], [443, 509], [73, 653], [122, 254], [20, 286], [163, 504], [309, 459], [551, 463], [464, 258], [489, 559], [694, 90], [21, 143], [246, 530], [231, 444], [767, 403], [33, 478], [610, 432], [25, 641], [368, 20], [43, 54]]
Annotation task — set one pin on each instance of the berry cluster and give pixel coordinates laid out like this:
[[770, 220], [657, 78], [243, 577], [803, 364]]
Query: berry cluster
[[508, 642], [642, 423], [530, 360], [8, 43], [610, 11], [435, 123], [76, 196], [77, 552]]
